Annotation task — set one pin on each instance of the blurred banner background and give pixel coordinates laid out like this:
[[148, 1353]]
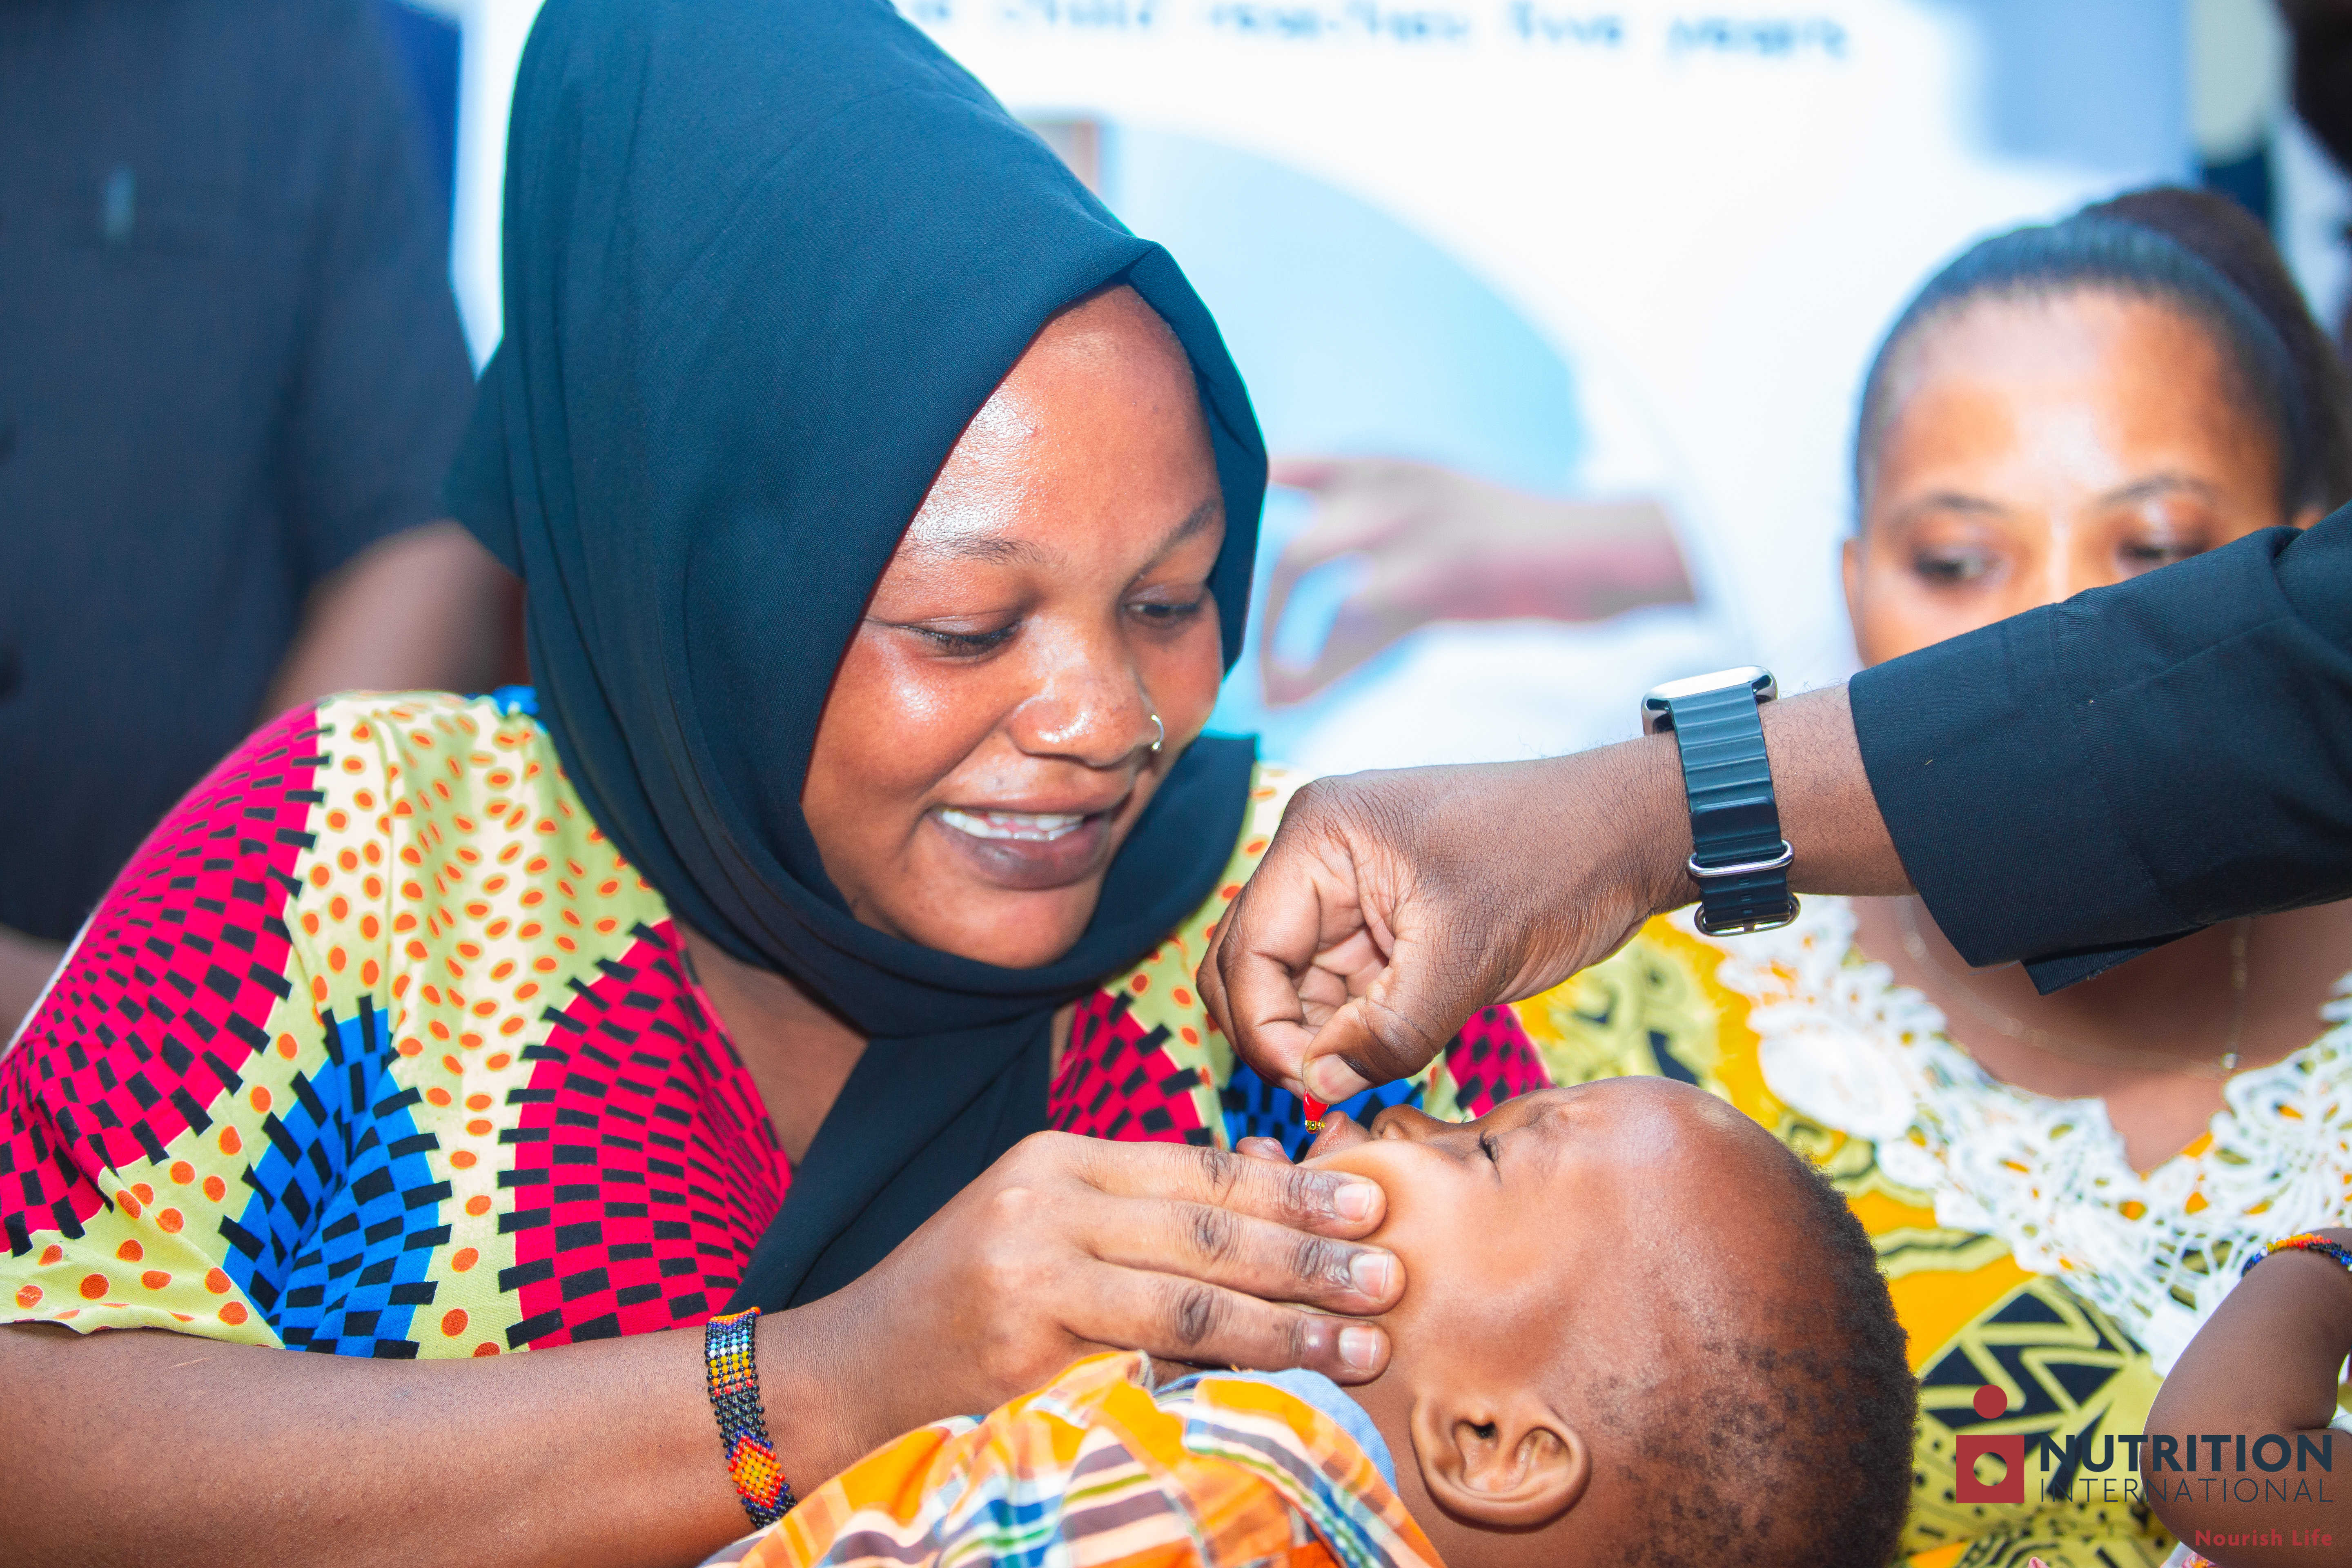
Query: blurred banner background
[[1581, 294]]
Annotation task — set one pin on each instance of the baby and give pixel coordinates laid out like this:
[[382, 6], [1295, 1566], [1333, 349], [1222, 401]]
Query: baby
[[1635, 1330]]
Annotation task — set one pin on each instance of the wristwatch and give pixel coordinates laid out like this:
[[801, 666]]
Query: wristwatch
[[1738, 855]]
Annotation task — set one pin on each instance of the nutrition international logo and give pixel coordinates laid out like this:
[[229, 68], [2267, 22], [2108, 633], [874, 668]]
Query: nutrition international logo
[[2235, 1467]]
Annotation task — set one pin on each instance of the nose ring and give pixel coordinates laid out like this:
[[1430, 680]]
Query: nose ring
[[1159, 734]]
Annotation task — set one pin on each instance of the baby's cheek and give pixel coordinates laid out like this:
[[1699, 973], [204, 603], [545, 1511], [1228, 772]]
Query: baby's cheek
[[1429, 1221]]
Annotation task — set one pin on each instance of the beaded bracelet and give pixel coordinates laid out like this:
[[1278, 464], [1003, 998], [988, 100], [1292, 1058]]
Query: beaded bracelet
[[734, 1378], [2308, 1241]]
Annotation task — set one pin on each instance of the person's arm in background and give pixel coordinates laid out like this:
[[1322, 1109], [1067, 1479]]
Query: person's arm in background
[[25, 964], [398, 598], [428, 609], [2264, 1365], [2069, 787], [1440, 545]]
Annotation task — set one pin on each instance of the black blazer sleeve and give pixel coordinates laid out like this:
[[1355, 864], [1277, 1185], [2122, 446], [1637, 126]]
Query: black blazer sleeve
[[2080, 783]]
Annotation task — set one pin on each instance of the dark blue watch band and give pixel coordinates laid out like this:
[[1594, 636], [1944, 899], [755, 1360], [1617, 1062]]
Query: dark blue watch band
[[1738, 855]]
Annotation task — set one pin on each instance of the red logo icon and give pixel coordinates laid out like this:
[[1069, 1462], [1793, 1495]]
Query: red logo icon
[[1991, 1404]]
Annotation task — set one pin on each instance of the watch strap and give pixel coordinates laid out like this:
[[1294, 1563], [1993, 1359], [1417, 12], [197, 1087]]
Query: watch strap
[[1738, 855]]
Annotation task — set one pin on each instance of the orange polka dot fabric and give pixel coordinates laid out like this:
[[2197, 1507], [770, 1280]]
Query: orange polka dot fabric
[[378, 1046]]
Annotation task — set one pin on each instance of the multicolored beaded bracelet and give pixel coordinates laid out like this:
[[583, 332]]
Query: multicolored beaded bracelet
[[734, 1377], [2308, 1241]]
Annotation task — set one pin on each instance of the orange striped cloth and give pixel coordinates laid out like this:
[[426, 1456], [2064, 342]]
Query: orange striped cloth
[[1098, 1470]]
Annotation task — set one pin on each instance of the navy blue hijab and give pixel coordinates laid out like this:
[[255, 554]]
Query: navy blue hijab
[[763, 261]]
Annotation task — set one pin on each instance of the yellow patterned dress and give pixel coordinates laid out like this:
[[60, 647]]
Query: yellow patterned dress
[[2023, 1251]]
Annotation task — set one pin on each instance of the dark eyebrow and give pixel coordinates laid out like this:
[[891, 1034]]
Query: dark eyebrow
[[2157, 485], [1951, 500], [1199, 519], [992, 550], [995, 552]]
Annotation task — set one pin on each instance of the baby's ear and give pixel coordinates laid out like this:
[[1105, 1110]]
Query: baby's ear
[[1508, 1462]]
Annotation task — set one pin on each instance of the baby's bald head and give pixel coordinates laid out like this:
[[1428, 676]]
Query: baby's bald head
[[1782, 1430]]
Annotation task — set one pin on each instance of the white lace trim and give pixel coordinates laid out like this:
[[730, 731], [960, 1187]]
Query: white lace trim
[[1844, 1045]]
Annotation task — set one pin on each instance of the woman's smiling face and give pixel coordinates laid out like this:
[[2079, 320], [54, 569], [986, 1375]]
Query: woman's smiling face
[[987, 746], [2039, 447]]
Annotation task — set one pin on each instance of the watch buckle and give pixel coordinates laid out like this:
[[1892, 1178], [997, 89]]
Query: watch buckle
[[1744, 927], [1781, 861]]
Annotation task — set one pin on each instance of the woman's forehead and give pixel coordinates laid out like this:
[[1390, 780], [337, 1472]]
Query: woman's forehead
[[1101, 421], [2090, 371], [2083, 333]]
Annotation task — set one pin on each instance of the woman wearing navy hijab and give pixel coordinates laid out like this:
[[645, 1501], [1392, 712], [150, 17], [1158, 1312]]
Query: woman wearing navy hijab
[[886, 512]]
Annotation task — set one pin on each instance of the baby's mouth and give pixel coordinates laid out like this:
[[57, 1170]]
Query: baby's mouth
[[1019, 827]]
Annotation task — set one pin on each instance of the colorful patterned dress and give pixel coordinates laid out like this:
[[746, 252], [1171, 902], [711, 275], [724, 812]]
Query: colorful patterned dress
[[1099, 1468], [2021, 1248], [378, 1048]]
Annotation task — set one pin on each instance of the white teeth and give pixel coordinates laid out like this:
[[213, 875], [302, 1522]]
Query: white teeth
[[1029, 826]]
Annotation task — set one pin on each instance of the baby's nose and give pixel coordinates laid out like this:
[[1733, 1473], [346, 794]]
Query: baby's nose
[[1405, 1122]]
